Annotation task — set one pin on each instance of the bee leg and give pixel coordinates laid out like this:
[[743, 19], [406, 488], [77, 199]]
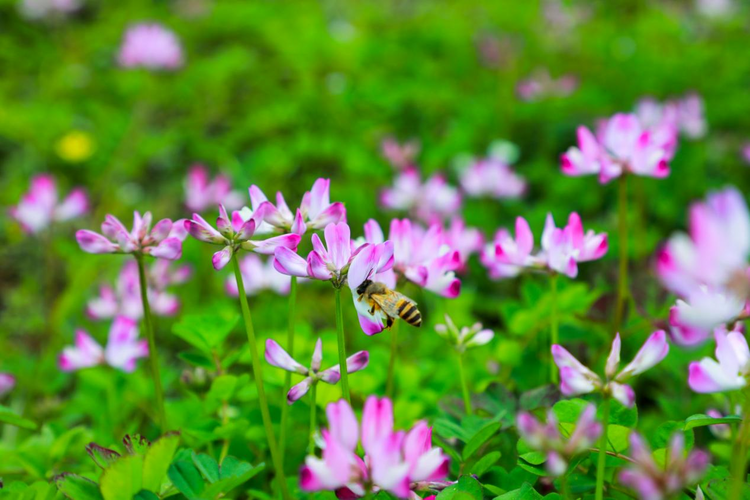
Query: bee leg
[[372, 310], [388, 322]]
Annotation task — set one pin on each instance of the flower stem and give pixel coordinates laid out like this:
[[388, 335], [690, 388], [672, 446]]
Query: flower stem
[[554, 326], [258, 372], [288, 377], [622, 222], [342, 347], [313, 417], [153, 354], [739, 455], [564, 491], [464, 384], [603, 440], [392, 361]]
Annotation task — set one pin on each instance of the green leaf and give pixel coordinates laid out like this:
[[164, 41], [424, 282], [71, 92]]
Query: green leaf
[[700, 420], [227, 484], [479, 438], [8, 416], [620, 414], [103, 457], [484, 463], [186, 478], [567, 411], [525, 492], [448, 429], [231, 467], [198, 359], [145, 495], [77, 487], [207, 465], [222, 388], [136, 444], [157, 459], [534, 457], [467, 488], [123, 479], [205, 331]]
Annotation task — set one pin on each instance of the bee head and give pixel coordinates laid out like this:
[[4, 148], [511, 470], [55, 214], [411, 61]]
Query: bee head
[[363, 287]]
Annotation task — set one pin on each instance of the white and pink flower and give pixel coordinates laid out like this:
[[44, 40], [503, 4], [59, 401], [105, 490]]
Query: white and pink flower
[[7, 383], [123, 348], [40, 206], [729, 371], [401, 156], [151, 46], [202, 192], [432, 200], [494, 178]]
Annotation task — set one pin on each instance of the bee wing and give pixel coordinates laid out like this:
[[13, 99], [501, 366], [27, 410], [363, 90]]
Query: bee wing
[[389, 302]]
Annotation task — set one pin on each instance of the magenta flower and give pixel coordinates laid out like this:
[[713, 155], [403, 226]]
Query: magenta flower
[[621, 146], [258, 276], [278, 357], [497, 268], [729, 371], [465, 240], [548, 439], [705, 267], [433, 200], [150, 46], [655, 481], [122, 351], [7, 383], [39, 207], [235, 233], [396, 462], [315, 212], [494, 178], [202, 193], [164, 241], [576, 379], [400, 156], [562, 248]]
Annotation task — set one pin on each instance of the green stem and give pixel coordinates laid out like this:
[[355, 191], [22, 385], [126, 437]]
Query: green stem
[[288, 377], [739, 457], [554, 337], [342, 347], [392, 361], [564, 491], [464, 384], [622, 222], [153, 354], [313, 417], [258, 372], [603, 440]]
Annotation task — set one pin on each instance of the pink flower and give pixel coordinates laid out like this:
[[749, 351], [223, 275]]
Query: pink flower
[[316, 210], [235, 233], [396, 462], [36, 9], [202, 193], [492, 177], [745, 152], [400, 156], [576, 379], [278, 357], [721, 431], [548, 439], [258, 276], [164, 241], [435, 199], [730, 369], [621, 146], [122, 351], [685, 114], [7, 383], [465, 240], [39, 207], [151, 46], [498, 268], [541, 85], [655, 481]]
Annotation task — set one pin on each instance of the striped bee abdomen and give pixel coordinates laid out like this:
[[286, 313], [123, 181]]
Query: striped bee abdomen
[[407, 310]]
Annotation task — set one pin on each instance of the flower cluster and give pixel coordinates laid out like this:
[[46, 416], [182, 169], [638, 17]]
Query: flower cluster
[[548, 439], [40, 206], [541, 85], [492, 177], [466, 337], [576, 379], [708, 268], [150, 46], [431, 200], [396, 462], [201, 192], [258, 276], [278, 357], [686, 114], [400, 156], [122, 350], [562, 248]]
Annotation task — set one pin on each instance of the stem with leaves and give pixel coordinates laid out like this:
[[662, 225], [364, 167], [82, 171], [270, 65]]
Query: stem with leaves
[[603, 440], [342, 347], [392, 361], [464, 383], [313, 418], [288, 377]]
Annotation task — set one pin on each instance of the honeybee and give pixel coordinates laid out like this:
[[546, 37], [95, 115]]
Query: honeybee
[[391, 303]]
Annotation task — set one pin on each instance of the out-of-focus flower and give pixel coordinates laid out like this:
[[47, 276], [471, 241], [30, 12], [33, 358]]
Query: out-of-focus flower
[[278, 357], [576, 379], [494, 178], [745, 152], [722, 431], [464, 240], [396, 462], [122, 351], [715, 8], [235, 233], [466, 337], [685, 114], [547, 438], [400, 155], [124, 299], [202, 193], [621, 146], [7, 383], [433, 200], [315, 212], [39, 207], [163, 241], [497, 268], [258, 276], [541, 85], [729, 371], [657, 482], [562, 248], [707, 268], [36, 9], [76, 146], [151, 46]]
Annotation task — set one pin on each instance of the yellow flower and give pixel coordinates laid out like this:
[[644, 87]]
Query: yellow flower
[[75, 146]]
